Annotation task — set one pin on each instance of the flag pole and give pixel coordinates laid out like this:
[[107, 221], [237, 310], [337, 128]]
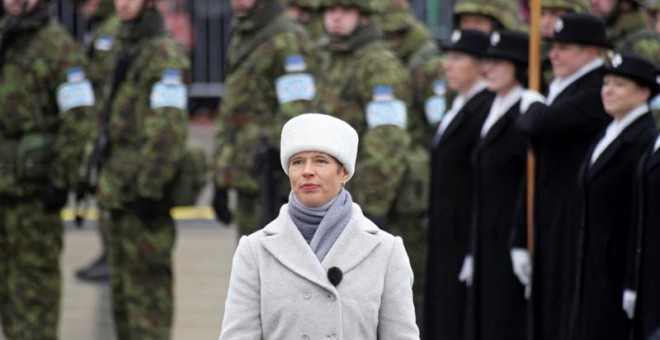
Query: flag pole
[[535, 85]]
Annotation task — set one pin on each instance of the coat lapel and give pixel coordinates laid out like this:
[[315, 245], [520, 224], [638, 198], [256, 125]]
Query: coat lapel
[[499, 127], [627, 136], [288, 246], [653, 160], [354, 244]]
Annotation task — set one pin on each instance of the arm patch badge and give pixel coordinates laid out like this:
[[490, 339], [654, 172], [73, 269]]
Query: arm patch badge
[[76, 92]]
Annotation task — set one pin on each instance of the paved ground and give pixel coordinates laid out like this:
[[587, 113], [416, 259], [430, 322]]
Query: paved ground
[[202, 260]]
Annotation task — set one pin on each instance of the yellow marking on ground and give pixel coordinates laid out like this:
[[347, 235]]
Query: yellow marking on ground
[[178, 213]]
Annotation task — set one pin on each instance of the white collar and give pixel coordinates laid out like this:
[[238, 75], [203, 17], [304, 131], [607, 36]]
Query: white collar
[[500, 106], [558, 85], [618, 125], [657, 144]]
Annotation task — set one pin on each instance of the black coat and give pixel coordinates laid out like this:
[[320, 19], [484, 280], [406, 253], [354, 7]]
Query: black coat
[[607, 193], [449, 220], [560, 136], [645, 249], [498, 308]]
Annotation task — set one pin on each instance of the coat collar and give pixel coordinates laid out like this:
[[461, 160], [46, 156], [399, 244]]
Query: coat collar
[[463, 115], [627, 136], [284, 241], [499, 127], [653, 159]]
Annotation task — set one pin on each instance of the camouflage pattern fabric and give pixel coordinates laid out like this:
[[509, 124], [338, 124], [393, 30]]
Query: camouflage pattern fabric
[[32, 245], [575, 6], [364, 6], [142, 276], [349, 74], [632, 33], [147, 141], [250, 109], [39, 144], [421, 57], [504, 12], [101, 54]]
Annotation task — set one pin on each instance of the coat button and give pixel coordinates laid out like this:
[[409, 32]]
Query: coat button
[[305, 337], [306, 294], [331, 297]]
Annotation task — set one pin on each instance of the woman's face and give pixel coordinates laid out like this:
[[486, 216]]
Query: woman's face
[[316, 177], [462, 71], [621, 95], [500, 75]]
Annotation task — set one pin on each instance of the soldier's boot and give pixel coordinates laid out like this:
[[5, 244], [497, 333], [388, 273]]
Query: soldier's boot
[[97, 271]]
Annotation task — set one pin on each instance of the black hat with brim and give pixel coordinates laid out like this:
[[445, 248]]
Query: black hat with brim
[[636, 68], [509, 45], [472, 42], [581, 29]]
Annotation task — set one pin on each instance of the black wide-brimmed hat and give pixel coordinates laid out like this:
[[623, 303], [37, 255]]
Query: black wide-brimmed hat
[[509, 45], [636, 68], [581, 28], [472, 42]]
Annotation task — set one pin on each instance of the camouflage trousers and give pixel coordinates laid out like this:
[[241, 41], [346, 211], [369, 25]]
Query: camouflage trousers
[[413, 232], [141, 275], [30, 279], [247, 213]]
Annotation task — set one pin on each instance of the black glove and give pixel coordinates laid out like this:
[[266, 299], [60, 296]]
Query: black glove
[[54, 198], [147, 209], [221, 206], [379, 222]]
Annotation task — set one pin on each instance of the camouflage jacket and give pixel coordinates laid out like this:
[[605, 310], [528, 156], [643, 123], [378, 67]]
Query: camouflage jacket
[[632, 33], [348, 77], [100, 52], [250, 108], [44, 122], [148, 122], [421, 57]]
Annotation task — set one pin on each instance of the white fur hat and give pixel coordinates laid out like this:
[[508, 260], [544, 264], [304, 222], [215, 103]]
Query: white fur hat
[[322, 133]]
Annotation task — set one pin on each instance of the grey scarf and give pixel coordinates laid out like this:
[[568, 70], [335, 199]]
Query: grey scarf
[[321, 226]]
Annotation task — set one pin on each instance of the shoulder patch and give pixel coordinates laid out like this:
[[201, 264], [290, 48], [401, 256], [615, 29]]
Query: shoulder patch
[[385, 109], [76, 92], [104, 43], [170, 91], [436, 105]]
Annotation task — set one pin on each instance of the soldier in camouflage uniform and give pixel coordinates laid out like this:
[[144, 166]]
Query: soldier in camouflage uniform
[[45, 118], [306, 13], [98, 47], [147, 129], [628, 28], [411, 42], [270, 79], [488, 16], [363, 83]]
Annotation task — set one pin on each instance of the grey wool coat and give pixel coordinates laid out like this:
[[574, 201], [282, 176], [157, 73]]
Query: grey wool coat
[[279, 290]]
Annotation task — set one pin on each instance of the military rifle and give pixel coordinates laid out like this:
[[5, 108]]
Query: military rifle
[[87, 187], [269, 172]]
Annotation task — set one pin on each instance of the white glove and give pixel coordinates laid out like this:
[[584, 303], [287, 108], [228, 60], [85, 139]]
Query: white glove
[[467, 271], [629, 301], [522, 266], [528, 98]]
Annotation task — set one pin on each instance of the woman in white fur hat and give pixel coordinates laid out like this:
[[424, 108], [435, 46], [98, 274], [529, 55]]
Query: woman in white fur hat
[[321, 269]]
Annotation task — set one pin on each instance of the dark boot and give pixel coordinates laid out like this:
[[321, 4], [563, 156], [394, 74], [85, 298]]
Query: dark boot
[[97, 271]]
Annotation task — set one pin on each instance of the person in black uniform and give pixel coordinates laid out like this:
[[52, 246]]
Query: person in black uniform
[[498, 307], [451, 184], [560, 132], [606, 188]]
